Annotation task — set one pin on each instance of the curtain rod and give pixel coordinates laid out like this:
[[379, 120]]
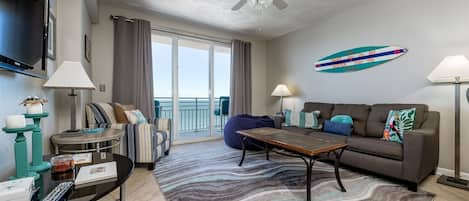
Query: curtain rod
[[178, 32]]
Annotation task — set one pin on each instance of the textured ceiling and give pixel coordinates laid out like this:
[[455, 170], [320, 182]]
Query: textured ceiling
[[265, 24]]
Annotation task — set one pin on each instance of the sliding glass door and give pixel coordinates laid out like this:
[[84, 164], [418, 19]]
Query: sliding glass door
[[194, 92], [221, 87], [162, 51]]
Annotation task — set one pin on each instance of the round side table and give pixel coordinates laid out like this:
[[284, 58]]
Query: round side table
[[107, 135]]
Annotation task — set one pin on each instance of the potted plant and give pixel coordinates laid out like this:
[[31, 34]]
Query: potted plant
[[34, 104]]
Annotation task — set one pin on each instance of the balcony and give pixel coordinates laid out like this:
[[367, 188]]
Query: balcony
[[194, 116]]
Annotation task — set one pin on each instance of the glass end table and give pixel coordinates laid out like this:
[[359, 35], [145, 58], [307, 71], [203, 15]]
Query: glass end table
[[48, 180]]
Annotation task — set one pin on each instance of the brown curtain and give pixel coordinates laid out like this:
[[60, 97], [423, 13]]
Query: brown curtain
[[133, 73], [240, 91]]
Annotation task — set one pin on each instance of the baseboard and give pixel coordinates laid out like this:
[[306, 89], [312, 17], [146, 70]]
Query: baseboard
[[449, 172]]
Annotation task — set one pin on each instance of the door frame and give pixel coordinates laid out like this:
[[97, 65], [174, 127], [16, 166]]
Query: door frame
[[175, 38]]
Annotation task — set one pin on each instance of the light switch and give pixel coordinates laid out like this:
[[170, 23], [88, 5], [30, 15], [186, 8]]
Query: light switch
[[102, 88]]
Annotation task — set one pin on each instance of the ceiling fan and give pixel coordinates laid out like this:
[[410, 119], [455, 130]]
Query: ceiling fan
[[261, 4]]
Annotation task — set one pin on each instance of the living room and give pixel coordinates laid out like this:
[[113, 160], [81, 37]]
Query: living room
[[284, 63]]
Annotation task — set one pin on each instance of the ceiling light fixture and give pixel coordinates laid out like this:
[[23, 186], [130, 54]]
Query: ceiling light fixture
[[260, 4]]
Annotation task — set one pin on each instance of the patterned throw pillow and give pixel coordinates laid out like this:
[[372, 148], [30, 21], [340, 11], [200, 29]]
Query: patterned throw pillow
[[135, 117], [398, 123], [302, 119]]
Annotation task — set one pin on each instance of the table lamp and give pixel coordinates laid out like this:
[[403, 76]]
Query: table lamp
[[453, 70], [282, 91], [71, 75]]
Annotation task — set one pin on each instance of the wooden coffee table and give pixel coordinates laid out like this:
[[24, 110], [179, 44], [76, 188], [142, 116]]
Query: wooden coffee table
[[306, 147]]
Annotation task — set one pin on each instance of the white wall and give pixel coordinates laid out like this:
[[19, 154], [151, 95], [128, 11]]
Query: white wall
[[14, 88], [72, 23], [102, 45], [430, 29]]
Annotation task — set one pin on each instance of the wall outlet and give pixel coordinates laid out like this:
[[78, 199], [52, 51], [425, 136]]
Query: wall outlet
[[102, 88]]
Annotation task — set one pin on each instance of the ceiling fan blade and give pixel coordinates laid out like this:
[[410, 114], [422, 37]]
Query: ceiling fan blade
[[280, 4], [239, 5]]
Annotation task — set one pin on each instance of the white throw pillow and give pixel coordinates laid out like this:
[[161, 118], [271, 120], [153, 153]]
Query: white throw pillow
[[302, 119], [135, 117]]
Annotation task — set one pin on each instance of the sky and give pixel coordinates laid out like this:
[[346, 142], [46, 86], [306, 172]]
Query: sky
[[193, 71]]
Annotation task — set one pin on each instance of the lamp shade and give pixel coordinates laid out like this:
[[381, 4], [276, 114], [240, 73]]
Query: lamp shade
[[70, 75], [281, 90], [452, 69]]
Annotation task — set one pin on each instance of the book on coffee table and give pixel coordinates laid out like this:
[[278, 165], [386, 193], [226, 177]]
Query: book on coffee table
[[17, 190], [96, 173]]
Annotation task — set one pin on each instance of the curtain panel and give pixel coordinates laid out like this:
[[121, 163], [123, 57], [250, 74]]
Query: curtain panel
[[133, 71], [240, 86]]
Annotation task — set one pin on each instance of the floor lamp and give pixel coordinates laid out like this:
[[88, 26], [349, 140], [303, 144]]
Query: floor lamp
[[71, 75], [282, 91], [453, 70]]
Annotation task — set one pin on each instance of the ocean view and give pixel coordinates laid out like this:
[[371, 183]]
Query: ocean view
[[194, 113]]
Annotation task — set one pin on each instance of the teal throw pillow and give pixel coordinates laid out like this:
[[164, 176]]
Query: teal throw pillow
[[345, 119], [398, 123]]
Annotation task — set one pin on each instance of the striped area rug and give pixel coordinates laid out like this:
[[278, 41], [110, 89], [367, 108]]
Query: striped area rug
[[209, 172]]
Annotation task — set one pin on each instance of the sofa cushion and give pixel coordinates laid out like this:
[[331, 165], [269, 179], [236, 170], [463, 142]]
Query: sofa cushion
[[375, 146], [359, 114], [325, 110], [379, 113]]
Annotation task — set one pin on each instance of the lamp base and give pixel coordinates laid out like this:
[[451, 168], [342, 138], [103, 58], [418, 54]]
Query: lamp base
[[454, 182]]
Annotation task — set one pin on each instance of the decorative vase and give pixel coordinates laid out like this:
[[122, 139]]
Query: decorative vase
[[35, 108]]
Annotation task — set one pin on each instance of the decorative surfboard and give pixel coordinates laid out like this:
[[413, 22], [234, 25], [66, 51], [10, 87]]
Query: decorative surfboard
[[358, 58]]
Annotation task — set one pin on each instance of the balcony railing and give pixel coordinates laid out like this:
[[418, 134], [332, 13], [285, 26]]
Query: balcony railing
[[193, 115]]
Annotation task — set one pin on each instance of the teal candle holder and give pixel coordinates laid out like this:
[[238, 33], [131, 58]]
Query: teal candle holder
[[37, 165], [21, 153]]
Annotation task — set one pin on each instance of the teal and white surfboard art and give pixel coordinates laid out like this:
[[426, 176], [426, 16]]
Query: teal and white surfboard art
[[358, 58]]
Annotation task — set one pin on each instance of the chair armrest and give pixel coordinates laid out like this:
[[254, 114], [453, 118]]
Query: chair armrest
[[162, 124], [421, 149]]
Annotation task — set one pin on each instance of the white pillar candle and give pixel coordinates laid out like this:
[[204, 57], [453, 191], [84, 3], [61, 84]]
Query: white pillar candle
[[34, 108], [15, 121]]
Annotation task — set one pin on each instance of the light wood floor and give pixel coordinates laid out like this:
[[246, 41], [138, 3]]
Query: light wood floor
[[142, 186]]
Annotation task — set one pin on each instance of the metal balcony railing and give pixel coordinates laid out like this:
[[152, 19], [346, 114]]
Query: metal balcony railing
[[193, 115]]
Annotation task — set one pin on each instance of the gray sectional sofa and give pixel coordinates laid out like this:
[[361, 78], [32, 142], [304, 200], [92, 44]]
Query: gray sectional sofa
[[411, 161]]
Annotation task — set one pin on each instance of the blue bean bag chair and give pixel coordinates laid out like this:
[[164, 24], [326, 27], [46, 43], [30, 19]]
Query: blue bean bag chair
[[244, 122]]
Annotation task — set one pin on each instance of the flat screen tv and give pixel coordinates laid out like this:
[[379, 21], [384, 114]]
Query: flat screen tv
[[22, 36]]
